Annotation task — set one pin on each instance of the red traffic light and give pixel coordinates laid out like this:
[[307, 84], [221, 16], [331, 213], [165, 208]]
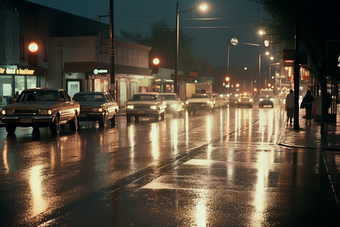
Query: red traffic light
[[237, 85], [227, 78], [155, 61], [155, 65], [33, 47]]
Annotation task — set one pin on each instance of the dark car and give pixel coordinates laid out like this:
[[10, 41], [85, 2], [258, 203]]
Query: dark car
[[41, 107], [96, 106]]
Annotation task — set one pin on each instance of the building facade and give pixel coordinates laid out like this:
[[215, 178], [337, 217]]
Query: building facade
[[73, 53]]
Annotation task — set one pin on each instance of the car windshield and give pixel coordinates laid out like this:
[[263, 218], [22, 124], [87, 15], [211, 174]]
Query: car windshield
[[89, 97], [26, 96], [145, 97], [169, 97], [197, 96]]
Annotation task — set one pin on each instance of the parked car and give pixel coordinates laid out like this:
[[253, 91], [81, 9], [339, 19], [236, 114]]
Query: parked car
[[266, 98], [41, 107], [199, 102], [174, 104], [245, 100], [147, 104], [96, 106]]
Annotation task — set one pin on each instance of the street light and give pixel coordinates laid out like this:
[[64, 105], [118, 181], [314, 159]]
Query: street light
[[201, 7], [259, 84]]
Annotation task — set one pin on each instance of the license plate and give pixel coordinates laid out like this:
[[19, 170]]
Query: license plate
[[82, 115], [25, 120], [141, 112]]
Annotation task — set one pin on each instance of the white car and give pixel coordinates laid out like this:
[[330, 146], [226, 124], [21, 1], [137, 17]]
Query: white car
[[200, 102], [147, 104], [174, 104]]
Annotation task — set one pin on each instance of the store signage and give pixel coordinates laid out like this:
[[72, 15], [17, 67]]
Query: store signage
[[98, 71], [13, 71]]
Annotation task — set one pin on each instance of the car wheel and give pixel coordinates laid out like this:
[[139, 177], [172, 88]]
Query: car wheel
[[272, 105], [10, 129], [128, 117], [156, 117], [101, 121], [74, 123], [113, 121], [55, 127]]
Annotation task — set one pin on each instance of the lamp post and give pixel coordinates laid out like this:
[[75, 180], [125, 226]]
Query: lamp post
[[259, 79], [202, 7]]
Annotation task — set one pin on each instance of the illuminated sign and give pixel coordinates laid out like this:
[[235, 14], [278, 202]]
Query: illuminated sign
[[97, 71], [14, 71]]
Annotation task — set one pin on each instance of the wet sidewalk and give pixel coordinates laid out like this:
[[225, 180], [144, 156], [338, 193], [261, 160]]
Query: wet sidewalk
[[309, 136]]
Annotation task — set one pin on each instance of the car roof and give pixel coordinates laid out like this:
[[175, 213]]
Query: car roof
[[44, 89], [167, 93], [147, 93], [91, 92]]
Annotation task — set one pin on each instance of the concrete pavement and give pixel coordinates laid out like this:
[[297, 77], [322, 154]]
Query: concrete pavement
[[309, 136]]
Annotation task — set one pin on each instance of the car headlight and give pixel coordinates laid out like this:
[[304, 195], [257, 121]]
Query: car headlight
[[153, 107], [98, 109], [239, 100], [174, 106], [271, 99], [261, 99], [46, 112], [250, 100], [208, 102], [186, 102], [7, 112], [131, 107]]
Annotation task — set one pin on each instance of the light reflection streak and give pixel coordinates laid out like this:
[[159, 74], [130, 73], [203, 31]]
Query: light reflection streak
[[5, 158], [208, 128], [201, 213], [174, 136], [131, 132], [39, 204], [154, 137], [260, 201]]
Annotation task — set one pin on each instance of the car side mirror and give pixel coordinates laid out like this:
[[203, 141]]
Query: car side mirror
[[62, 100]]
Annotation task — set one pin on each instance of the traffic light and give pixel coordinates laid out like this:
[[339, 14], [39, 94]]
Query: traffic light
[[227, 81], [155, 65], [33, 54], [237, 87]]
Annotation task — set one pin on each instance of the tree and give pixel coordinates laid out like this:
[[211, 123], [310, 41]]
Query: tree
[[316, 24], [163, 43]]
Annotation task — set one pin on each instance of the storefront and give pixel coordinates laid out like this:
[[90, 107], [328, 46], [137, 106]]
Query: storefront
[[13, 80]]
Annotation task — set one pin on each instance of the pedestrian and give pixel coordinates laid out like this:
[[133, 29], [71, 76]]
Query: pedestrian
[[290, 106], [308, 103]]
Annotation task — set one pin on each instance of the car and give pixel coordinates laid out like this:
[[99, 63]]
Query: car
[[219, 100], [233, 99], [266, 98], [145, 104], [96, 106], [41, 107], [245, 100], [199, 102], [174, 104]]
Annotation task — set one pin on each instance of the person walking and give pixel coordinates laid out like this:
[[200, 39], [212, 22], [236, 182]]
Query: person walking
[[290, 106], [308, 103]]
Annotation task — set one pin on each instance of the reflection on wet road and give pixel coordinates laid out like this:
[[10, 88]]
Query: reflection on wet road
[[209, 169]]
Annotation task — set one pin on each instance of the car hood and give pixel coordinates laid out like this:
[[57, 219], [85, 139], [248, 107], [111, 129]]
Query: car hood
[[33, 104], [142, 103], [171, 102], [198, 100]]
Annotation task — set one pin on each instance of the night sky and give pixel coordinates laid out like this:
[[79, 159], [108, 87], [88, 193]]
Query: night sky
[[221, 21]]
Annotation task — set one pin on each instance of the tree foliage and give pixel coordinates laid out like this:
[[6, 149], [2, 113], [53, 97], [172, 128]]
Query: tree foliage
[[162, 40], [315, 20]]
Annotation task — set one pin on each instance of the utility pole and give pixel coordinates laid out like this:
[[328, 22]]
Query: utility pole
[[112, 52]]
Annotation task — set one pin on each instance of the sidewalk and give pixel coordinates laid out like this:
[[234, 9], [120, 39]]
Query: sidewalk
[[309, 136]]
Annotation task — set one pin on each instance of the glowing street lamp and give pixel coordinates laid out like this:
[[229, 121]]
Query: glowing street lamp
[[33, 47], [201, 7]]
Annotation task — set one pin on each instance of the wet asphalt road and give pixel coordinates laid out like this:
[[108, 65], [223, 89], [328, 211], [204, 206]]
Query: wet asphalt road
[[209, 169]]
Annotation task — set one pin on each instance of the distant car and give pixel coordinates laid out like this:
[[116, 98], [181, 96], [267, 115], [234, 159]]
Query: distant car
[[266, 98], [245, 100], [174, 104], [147, 104], [96, 106], [233, 99], [219, 100], [41, 107], [199, 102]]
